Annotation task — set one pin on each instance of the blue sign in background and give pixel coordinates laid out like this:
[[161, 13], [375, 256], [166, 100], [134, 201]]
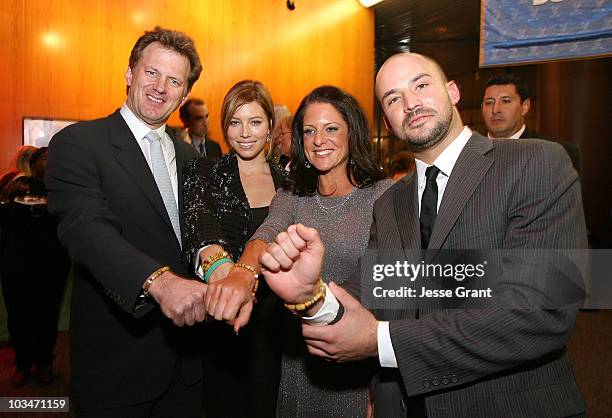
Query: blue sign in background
[[518, 31]]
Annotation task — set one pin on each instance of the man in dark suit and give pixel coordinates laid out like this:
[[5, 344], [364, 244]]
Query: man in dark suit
[[505, 102], [115, 184], [468, 192], [194, 114]]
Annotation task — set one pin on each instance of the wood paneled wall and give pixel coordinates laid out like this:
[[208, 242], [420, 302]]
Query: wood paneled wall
[[575, 106], [66, 59]]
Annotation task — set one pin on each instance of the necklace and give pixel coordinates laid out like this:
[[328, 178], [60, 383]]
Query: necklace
[[334, 207]]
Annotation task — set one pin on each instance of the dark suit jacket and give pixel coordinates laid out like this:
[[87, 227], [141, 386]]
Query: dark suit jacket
[[572, 149], [213, 149], [116, 228], [495, 362]]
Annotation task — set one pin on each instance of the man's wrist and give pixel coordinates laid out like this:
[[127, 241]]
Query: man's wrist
[[152, 278], [310, 303], [329, 311], [156, 288], [312, 311]]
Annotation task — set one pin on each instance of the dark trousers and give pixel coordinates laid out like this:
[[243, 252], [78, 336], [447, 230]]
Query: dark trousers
[[179, 400], [247, 364], [32, 305]]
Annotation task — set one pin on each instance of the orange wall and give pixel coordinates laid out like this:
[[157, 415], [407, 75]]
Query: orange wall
[[67, 59]]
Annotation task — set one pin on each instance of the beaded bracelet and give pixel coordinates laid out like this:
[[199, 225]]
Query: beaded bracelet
[[151, 278], [255, 276], [211, 259], [303, 306]]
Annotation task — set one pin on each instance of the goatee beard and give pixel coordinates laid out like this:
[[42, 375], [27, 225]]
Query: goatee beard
[[437, 133]]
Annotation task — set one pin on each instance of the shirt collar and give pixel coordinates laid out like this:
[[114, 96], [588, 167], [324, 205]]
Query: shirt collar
[[197, 140], [139, 128], [518, 133], [447, 159]]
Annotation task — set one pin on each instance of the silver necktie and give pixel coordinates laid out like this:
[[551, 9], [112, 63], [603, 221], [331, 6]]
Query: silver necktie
[[162, 178]]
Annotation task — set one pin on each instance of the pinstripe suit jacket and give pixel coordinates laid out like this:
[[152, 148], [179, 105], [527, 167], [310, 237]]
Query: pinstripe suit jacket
[[494, 362]]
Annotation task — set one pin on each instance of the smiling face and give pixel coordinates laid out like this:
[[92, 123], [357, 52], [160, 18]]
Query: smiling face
[[417, 100], [503, 111], [326, 138], [157, 84], [248, 130]]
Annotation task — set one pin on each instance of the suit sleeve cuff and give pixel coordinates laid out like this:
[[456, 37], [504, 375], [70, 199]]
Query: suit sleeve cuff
[[197, 266], [328, 311], [386, 355]]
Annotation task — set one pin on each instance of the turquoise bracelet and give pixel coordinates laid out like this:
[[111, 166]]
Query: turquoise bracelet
[[214, 266]]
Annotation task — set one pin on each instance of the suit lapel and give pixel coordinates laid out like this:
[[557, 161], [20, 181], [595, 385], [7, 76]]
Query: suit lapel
[[406, 209], [130, 157], [469, 170]]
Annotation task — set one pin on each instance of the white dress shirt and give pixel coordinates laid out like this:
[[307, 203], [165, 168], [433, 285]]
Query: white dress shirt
[[445, 162], [140, 130]]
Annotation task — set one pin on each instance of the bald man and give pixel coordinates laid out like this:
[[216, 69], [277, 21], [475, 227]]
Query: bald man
[[468, 192]]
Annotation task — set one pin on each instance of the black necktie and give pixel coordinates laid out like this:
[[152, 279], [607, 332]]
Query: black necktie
[[202, 149], [429, 205]]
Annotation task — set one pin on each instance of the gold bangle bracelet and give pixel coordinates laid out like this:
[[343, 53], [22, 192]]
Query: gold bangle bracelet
[[255, 276], [151, 278], [298, 307]]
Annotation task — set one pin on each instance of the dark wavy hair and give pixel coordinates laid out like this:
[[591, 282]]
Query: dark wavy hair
[[506, 78], [174, 40], [184, 112], [361, 170]]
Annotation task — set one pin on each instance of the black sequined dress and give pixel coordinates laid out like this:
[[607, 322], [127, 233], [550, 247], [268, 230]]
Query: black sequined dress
[[241, 372]]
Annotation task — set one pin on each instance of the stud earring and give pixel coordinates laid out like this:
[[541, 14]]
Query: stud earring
[[307, 164]]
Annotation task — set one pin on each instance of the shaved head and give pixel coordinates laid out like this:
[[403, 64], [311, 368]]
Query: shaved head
[[418, 102], [406, 58]]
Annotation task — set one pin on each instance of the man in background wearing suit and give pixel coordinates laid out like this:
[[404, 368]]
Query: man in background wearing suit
[[194, 114], [505, 102], [115, 184], [468, 192]]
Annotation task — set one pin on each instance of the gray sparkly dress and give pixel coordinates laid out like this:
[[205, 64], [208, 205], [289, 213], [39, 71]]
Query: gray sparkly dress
[[311, 387]]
